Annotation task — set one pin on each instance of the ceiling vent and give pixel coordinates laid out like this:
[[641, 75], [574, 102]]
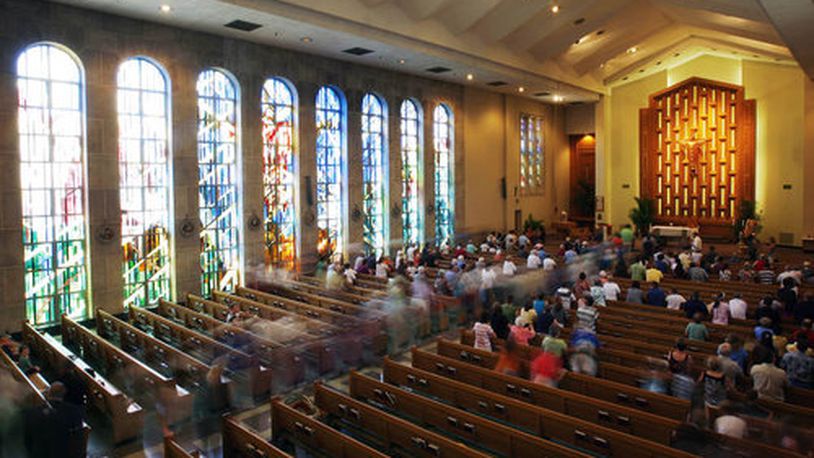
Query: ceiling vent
[[438, 69], [357, 51], [245, 26], [497, 83]]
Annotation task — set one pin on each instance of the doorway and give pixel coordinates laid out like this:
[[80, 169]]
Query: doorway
[[583, 178]]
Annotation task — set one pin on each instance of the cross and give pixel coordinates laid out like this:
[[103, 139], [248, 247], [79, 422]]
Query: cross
[[692, 148]]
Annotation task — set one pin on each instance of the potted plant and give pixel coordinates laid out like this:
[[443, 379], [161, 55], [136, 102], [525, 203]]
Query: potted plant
[[642, 214]]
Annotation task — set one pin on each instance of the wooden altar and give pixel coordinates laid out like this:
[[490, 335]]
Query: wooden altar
[[697, 153]]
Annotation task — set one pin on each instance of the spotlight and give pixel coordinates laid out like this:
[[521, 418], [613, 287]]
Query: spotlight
[[165, 8], [470, 77]]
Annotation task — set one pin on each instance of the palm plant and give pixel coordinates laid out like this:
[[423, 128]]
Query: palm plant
[[643, 214]]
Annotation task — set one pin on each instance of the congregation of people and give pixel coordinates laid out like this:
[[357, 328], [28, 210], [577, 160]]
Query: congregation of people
[[519, 294]]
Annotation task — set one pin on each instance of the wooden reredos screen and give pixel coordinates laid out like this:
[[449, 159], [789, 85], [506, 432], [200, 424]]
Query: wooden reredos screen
[[698, 152]]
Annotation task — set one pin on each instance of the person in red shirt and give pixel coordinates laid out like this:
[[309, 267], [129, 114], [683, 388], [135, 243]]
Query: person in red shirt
[[522, 331], [546, 369], [803, 330]]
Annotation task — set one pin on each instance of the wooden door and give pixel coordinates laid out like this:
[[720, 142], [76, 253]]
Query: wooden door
[[583, 176]]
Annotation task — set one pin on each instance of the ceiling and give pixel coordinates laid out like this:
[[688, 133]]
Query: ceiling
[[572, 55]]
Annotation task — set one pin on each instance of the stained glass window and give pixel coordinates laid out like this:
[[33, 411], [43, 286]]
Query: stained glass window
[[278, 100], [531, 154], [52, 174], [444, 184], [412, 223], [218, 200], [144, 181], [374, 175], [330, 120]]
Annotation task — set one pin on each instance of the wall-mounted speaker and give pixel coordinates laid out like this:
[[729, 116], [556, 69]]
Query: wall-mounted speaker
[[309, 193]]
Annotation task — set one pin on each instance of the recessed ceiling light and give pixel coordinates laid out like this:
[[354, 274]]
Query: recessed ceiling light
[[632, 50], [558, 98], [165, 8], [555, 8], [402, 61], [470, 77], [307, 40], [521, 89]]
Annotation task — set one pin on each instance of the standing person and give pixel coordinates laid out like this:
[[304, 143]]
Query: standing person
[[635, 294], [508, 362], [719, 309], [769, 381], [737, 307], [582, 287], [483, 333], [626, 233], [714, 382], [679, 359], [652, 274], [612, 289], [565, 297], [499, 323], [509, 268], [521, 332], [694, 306], [598, 294], [674, 300], [553, 344], [799, 366], [509, 309], [696, 329], [587, 314], [560, 314], [656, 296]]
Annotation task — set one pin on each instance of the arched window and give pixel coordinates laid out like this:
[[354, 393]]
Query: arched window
[[412, 222], [279, 174], [374, 173], [218, 175], [330, 124], [145, 183], [444, 184], [51, 126]]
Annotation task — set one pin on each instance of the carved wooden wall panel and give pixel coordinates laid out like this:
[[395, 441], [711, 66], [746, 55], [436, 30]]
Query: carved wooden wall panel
[[698, 152]]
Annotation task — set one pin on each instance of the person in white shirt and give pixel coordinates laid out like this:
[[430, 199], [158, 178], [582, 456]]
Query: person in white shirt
[[697, 243], [674, 300], [566, 297], [533, 260], [509, 268], [350, 275], [487, 279], [728, 424], [612, 289], [549, 263], [382, 270], [737, 307]]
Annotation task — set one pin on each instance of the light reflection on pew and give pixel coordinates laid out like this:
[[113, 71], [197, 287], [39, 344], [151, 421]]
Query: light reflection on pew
[[204, 347], [126, 415], [144, 382]]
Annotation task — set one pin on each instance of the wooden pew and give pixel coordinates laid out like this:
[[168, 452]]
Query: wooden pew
[[539, 422], [369, 323], [619, 418], [219, 309], [335, 341], [204, 347], [527, 391], [166, 356], [661, 405], [314, 346], [276, 291], [289, 366], [240, 442], [172, 449], [126, 416], [390, 431], [289, 424], [119, 363], [665, 322], [36, 385]]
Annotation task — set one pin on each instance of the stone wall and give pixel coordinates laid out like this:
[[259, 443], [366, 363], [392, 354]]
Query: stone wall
[[102, 42]]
